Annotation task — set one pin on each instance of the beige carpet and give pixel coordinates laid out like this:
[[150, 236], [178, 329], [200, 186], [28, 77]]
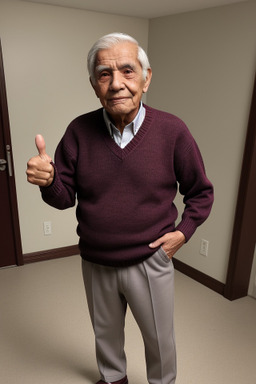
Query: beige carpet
[[46, 335]]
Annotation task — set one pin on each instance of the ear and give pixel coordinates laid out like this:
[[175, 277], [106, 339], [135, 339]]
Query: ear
[[94, 87], [148, 80]]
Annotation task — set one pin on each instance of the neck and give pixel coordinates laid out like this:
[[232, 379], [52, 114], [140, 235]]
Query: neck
[[120, 121]]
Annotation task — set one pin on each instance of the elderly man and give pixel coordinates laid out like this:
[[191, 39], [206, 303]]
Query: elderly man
[[123, 162]]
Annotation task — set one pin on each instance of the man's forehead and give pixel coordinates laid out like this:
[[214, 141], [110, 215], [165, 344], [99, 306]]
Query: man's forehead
[[118, 52]]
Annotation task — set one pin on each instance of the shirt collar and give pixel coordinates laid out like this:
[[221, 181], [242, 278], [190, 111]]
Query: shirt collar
[[135, 124]]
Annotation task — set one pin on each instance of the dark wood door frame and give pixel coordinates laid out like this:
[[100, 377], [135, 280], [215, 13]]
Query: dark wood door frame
[[12, 186], [244, 230]]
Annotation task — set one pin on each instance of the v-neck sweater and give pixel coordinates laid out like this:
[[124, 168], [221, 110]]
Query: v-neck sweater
[[126, 196]]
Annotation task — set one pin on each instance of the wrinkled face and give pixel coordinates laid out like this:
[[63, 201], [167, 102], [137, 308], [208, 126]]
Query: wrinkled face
[[119, 82]]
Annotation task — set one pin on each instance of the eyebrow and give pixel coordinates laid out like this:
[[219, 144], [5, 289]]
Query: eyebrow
[[101, 68]]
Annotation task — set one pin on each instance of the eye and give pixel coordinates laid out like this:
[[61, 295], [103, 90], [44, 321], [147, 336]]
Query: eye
[[103, 75], [128, 72]]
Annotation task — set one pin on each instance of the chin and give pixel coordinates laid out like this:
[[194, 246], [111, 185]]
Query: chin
[[119, 109]]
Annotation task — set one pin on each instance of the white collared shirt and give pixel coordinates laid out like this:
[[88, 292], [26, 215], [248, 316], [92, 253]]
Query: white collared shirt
[[129, 131]]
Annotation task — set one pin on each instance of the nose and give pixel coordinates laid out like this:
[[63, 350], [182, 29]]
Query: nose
[[116, 81]]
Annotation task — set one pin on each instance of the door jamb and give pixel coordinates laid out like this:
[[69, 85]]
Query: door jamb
[[244, 234], [11, 180]]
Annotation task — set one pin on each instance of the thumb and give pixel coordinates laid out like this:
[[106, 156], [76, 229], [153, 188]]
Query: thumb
[[156, 243], [41, 147]]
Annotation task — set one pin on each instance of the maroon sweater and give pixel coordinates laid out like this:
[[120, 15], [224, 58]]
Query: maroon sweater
[[125, 196]]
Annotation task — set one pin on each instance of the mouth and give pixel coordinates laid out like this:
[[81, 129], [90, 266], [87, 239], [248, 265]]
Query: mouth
[[117, 99]]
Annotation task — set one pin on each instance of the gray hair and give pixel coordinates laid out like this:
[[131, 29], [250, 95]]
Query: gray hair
[[107, 42]]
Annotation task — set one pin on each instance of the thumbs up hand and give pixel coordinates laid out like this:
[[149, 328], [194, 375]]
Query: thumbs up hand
[[40, 144], [39, 168]]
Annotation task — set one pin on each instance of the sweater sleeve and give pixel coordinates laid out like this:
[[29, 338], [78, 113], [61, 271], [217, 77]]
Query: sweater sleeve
[[61, 194], [193, 185]]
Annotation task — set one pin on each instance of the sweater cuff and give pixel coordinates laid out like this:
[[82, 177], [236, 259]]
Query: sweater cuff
[[187, 227], [54, 188]]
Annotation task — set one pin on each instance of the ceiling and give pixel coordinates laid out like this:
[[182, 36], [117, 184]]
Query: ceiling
[[139, 8]]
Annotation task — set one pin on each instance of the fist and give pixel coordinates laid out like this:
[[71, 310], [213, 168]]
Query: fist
[[39, 168]]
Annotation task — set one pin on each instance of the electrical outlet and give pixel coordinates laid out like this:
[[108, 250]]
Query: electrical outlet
[[204, 247], [47, 228]]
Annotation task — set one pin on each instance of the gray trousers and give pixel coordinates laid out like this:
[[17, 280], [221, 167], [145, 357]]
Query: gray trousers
[[148, 289]]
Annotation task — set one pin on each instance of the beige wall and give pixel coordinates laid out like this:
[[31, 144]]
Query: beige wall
[[45, 49], [203, 71]]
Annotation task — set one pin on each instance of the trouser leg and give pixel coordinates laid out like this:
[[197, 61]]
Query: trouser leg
[[107, 309], [149, 290], [150, 295]]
